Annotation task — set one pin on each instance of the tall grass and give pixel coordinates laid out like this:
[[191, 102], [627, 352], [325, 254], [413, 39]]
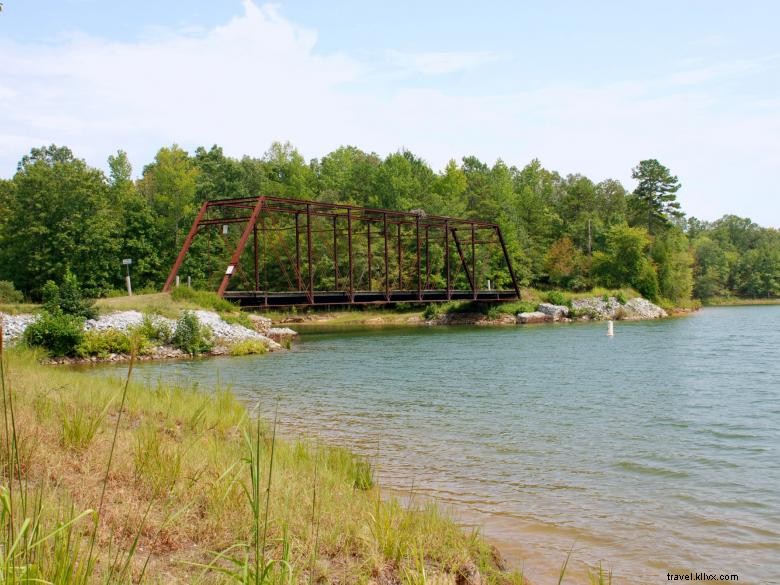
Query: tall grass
[[113, 481]]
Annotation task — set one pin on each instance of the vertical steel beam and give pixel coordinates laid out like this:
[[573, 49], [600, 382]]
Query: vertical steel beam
[[419, 273], [473, 263], [427, 260], [236, 258], [298, 252], [349, 252], [508, 262], [447, 258], [265, 260], [308, 253], [335, 257], [387, 265], [368, 232], [185, 247], [257, 261], [400, 261]]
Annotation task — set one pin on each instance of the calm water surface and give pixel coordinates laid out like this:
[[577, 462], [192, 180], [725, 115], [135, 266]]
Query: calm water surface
[[657, 450]]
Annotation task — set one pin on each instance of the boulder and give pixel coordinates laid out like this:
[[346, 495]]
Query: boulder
[[639, 308], [534, 317], [260, 323], [555, 312]]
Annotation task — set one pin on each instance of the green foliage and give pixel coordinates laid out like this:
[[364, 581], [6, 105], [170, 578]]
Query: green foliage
[[155, 330], [656, 194], [239, 319], [58, 212], [432, 311], [248, 347], [67, 298], [9, 294], [103, 343], [190, 335], [625, 263], [58, 333], [204, 299], [59, 215], [557, 297]]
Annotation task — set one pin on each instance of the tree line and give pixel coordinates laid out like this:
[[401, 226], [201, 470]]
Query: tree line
[[58, 214]]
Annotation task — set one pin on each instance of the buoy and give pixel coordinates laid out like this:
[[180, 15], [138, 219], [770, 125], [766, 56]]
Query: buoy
[[610, 329]]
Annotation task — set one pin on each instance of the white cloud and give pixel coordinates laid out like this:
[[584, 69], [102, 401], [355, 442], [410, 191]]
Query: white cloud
[[260, 78], [442, 62]]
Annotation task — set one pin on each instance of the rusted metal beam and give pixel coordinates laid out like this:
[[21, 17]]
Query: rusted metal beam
[[508, 261], [387, 265], [236, 258], [462, 257], [185, 248], [308, 253], [349, 252]]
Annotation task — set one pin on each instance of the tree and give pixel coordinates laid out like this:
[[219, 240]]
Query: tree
[[625, 261], [656, 193], [673, 260], [59, 217]]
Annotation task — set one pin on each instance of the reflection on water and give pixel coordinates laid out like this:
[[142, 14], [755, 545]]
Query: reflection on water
[[656, 450]]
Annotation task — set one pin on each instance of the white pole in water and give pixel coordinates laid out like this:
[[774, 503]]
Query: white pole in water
[[610, 329]]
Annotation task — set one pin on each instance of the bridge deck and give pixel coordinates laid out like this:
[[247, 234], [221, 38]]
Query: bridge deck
[[286, 299]]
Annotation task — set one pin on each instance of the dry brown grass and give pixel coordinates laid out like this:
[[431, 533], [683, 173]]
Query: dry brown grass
[[176, 488]]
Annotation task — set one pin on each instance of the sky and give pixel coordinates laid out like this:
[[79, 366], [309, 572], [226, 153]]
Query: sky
[[585, 87]]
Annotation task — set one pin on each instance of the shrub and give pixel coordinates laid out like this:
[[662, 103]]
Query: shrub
[[8, 294], [432, 311], [190, 335], [103, 343], [621, 297], [58, 333], [248, 347], [202, 298], [155, 330], [67, 298], [556, 297]]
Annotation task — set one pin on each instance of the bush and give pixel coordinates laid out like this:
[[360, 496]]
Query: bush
[[202, 298], [556, 297], [248, 347], [152, 330], [432, 311], [621, 297], [103, 343], [190, 335], [67, 298], [58, 333], [8, 294]]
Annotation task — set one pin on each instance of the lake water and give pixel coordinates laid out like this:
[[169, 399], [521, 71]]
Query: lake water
[[654, 451]]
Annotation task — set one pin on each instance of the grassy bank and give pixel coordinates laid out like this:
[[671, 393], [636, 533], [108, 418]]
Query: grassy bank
[[111, 482], [736, 301]]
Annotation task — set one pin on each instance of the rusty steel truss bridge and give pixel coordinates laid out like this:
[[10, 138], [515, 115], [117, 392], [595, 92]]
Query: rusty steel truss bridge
[[292, 252]]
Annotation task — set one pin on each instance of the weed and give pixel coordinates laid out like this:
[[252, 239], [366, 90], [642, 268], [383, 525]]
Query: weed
[[248, 347], [205, 299]]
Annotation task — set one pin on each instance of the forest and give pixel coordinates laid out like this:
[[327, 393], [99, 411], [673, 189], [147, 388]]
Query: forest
[[58, 214]]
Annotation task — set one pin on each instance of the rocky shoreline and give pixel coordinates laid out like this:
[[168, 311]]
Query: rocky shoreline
[[225, 335], [587, 309]]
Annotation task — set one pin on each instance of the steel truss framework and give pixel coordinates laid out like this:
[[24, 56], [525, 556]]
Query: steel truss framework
[[382, 235]]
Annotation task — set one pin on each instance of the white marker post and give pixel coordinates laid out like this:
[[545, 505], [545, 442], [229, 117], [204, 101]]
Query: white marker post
[[610, 329], [127, 262]]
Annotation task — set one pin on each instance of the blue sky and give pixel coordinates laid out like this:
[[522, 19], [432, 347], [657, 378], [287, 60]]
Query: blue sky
[[585, 87]]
